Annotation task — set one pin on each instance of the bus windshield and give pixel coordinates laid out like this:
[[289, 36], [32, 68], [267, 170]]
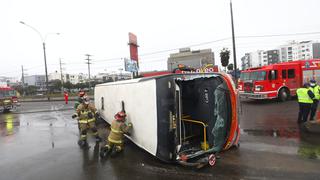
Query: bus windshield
[[255, 75], [7, 93]]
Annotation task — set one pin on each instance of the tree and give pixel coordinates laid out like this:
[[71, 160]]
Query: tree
[[55, 85], [230, 67], [68, 85], [224, 56], [31, 90]]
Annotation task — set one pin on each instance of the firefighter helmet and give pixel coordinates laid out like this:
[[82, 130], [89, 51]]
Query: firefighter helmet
[[120, 116]]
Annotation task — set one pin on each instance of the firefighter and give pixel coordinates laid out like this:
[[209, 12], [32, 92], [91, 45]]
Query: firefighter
[[115, 138], [87, 115], [305, 100], [316, 91]]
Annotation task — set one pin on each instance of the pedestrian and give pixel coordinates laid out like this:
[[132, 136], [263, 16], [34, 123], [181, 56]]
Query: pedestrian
[[115, 139], [87, 114], [66, 97], [316, 91], [305, 100]]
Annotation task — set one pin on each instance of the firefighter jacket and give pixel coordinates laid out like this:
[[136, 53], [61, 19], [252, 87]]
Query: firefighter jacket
[[316, 92], [86, 114], [118, 128], [305, 95]]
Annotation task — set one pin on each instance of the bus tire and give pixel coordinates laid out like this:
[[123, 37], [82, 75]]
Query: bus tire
[[283, 95]]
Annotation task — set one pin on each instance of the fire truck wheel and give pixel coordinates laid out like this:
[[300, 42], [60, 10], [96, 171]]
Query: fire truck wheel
[[283, 95]]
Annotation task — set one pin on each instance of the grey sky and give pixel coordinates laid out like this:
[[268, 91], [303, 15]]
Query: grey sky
[[100, 28]]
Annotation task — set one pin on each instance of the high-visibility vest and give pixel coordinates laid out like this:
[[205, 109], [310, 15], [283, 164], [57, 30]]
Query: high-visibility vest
[[315, 91], [303, 96]]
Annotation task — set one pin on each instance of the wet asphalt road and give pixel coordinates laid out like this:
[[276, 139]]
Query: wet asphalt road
[[39, 141]]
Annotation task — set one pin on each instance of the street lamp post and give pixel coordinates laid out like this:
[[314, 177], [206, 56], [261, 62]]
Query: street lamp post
[[234, 47], [44, 53]]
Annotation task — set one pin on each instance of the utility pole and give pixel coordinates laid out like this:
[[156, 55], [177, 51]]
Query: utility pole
[[22, 78], [61, 76], [234, 47], [88, 59]]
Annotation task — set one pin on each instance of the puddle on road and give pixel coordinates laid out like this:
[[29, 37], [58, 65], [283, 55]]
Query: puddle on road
[[307, 144], [8, 124]]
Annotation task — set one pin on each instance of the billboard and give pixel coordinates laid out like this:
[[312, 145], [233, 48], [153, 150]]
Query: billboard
[[133, 47], [130, 65]]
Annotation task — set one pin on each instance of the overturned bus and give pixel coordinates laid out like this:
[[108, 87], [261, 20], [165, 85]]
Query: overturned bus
[[184, 118]]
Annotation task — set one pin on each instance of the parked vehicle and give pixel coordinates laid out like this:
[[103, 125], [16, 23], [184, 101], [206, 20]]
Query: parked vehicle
[[184, 118], [279, 80], [8, 99]]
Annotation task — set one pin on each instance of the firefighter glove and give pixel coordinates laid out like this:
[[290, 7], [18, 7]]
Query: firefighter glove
[[90, 115]]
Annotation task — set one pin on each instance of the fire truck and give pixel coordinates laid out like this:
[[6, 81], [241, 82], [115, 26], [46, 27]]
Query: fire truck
[[279, 80], [8, 98]]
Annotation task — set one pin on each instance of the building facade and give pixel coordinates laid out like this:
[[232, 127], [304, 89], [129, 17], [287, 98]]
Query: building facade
[[35, 80], [72, 78], [289, 52], [194, 59], [273, 56]]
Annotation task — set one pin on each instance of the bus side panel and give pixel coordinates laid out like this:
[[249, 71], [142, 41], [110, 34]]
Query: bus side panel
[[140, 105], [166, 109]]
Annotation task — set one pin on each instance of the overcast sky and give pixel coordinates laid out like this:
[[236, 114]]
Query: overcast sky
[[100, 28]]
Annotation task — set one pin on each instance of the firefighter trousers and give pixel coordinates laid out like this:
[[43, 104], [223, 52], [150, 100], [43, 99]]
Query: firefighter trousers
[[304, 111], [314, 108], [85, 127], [110, 145]]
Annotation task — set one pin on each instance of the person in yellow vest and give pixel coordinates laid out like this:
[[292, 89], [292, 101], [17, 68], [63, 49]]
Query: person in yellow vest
[[305, 100], [87, 114], [116, 135], [316, 91]]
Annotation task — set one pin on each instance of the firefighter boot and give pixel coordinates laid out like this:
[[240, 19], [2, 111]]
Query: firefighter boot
[[116, 150], [104, 151]]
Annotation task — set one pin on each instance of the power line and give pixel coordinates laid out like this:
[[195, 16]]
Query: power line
[[88, 59]]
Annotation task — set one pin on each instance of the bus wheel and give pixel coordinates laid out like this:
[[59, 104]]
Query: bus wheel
[[283, 95]]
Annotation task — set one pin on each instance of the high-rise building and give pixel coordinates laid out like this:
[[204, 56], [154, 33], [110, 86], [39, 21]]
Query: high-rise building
[[289, 52]]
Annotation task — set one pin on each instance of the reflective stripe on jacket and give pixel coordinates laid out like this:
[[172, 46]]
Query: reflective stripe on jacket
[[83, 112], [118, 128], [303, 96]]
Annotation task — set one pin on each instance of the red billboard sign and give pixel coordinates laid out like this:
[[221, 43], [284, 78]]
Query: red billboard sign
[[133, 47]]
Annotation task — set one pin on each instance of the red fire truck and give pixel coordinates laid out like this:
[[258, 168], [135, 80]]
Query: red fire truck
[[8, 98], [279, 80]]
